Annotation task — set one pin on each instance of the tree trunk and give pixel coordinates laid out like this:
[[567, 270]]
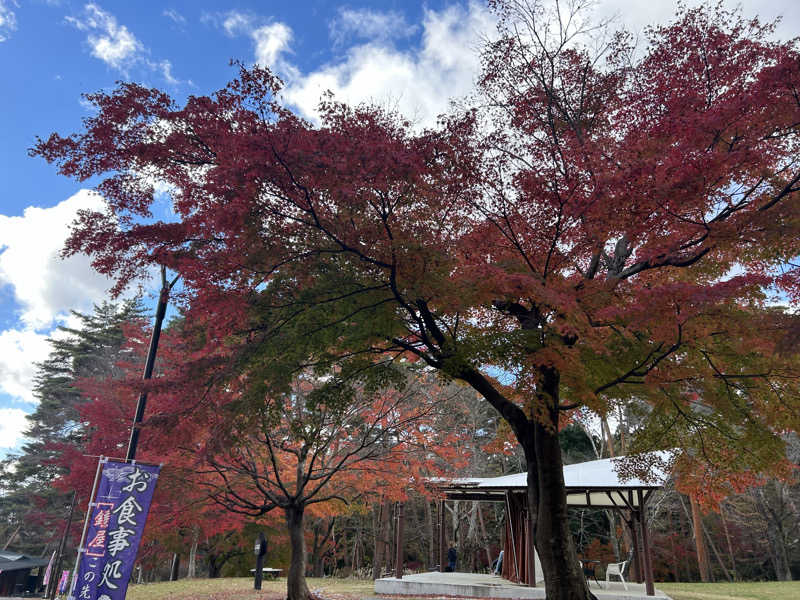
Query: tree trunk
[[381, 539], [676, 573], [322, 532], [376, 536], [296, 588], [775, 536], [702, 554], [191, 572], [456, 526], [472, 535], [175, 567], [728, 541], [484, 537], [778, 553], [355, 563], [13, 536], [213, 568], [717, 554], [429, 535], [547, 500]]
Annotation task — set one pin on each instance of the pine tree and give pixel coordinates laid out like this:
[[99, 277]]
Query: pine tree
[[31, 509]]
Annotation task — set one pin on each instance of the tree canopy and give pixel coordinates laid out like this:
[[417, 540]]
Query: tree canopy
[[600, 227]]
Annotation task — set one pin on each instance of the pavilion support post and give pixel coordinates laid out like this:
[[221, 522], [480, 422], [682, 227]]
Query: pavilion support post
[[442, 548], [398, 572], [637, 554], [648, 560], [530, 550]]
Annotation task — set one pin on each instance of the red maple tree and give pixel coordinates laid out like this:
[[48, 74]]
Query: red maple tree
[[602, 230]]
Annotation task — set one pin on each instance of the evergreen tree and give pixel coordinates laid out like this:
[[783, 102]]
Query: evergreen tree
[[31, 509]]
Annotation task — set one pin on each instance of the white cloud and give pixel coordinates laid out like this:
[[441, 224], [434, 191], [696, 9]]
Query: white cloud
[[166, 70], [270, 41], [369, 24], [418, 82], [236, 22], [8, 19], [636, 15], [12, 424], [116, 46], [45, 286], [175, 16], [20, 351], [111, 42]]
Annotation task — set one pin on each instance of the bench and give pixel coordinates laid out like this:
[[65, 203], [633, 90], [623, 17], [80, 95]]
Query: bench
[[270, 572]]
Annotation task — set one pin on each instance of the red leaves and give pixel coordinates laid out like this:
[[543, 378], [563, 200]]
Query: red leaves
[[588, 222]]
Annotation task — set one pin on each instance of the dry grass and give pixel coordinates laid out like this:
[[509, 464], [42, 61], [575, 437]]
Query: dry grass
[[769, 590], [241, 588]]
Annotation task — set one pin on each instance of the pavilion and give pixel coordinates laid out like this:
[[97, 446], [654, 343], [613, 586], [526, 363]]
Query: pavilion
[[593, 484]]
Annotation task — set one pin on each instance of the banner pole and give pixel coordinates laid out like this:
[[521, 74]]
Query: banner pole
[[100, 463]]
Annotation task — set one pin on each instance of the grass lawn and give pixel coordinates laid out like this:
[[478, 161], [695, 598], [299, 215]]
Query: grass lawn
[[770, 590], [241, 588], [356, 589]]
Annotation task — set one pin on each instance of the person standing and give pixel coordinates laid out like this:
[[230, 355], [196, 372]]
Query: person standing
[[451, 558]]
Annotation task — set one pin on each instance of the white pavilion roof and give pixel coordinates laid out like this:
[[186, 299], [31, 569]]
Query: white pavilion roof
[[594, 483]]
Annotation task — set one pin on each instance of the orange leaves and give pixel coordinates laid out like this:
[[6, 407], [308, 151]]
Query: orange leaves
[[598, 231]]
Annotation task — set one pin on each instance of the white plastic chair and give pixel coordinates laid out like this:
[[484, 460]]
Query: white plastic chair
[[616, 569]]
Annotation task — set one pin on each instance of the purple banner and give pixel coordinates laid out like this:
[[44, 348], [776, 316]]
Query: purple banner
[[116, 522]]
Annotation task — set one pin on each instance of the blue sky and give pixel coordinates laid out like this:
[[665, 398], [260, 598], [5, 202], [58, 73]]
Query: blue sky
[[412, 56]]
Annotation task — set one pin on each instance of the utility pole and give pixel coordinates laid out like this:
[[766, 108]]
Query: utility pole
[[161, 311], [55, 576]]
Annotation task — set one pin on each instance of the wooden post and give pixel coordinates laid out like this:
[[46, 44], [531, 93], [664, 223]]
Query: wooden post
[[637, 554], [648, 559], [399, 559], [530, 549], [442, 549]]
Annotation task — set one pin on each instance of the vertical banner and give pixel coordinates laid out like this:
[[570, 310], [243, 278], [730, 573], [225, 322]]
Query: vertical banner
[[62, 583], [116, 522], [49, 569]]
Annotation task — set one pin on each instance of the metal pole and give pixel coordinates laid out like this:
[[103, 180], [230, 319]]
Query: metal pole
[[398, 571], [71, 595], [161, 310], [57, 575]]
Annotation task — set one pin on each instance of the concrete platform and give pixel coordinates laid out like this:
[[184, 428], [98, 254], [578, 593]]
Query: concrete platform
[[478, 585]]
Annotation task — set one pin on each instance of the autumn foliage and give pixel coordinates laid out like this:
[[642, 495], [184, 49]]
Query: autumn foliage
[[602, 228]]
